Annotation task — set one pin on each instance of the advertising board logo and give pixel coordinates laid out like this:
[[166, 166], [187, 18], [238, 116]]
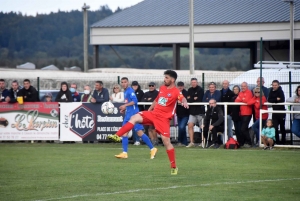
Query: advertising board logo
[[82, 121]]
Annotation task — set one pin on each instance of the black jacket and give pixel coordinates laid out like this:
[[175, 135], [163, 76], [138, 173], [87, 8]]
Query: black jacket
[[139, 95], [227, 97], [215, 115], [273, 95], [180, 110], [13, 95], [235, 110], [29, 95], [192, 93], [149, 94], [67, 96]]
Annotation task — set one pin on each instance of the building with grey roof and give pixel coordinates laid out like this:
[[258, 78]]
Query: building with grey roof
[[218, 24]]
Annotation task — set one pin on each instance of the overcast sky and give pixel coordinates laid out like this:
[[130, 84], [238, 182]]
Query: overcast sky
[[31, 7]]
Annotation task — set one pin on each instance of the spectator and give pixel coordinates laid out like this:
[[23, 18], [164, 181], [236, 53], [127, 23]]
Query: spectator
[[265, 89], [3, 91], [235, 114], [296, 120], [213, 122], [226, 96], [255, 100], [138, 92], [64, 95], [13, 92], [246, 111], [75, 94], [276, 95], [212, 93], [48, 97], [117, 96], [100, 94], [196, 112], [86, 96], [29, 93], [139, 95], [182, 117], [150, 96], [268, 135]]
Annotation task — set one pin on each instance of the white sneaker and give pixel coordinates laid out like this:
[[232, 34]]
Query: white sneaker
[[137, 143], [190, 145]]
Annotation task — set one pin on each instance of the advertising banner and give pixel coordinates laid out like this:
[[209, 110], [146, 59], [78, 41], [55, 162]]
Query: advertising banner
[[29, 121], [86, 122]]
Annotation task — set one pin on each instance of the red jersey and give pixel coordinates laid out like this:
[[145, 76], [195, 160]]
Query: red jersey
[[166, 101]]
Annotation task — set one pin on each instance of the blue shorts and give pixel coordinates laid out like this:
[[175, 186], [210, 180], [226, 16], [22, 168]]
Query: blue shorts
[[136, 127]]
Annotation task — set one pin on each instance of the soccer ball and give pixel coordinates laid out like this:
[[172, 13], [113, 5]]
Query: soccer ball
[[107, 108], [54, 113]]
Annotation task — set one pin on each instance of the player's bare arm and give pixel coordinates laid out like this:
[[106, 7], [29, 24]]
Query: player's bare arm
[[123, 107], [152, 106], [184, 103]]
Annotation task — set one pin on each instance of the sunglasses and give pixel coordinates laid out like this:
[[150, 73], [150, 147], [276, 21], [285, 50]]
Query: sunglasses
[[151, 85], [116, 87], [257, 92]]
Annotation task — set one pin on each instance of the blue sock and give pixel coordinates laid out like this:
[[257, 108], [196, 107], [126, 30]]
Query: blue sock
[[125, 143], [147, 141]]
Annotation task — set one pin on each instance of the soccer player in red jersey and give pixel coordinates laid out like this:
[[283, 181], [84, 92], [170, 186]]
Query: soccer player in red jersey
[[159, 115]]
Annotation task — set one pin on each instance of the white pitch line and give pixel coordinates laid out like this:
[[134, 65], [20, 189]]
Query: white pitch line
[[167, 188]]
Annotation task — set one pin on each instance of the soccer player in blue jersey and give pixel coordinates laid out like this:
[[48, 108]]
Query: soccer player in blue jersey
[[131, 108]]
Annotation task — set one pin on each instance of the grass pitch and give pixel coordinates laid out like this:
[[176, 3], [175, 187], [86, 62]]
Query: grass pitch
[[90, 172]]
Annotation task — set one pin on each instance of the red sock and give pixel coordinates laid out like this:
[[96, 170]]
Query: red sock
[[171, 155], [127, 127]]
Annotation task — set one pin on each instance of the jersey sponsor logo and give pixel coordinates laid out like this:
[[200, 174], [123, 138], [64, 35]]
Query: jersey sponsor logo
[[132, 94], [169, 95], [162, 101]]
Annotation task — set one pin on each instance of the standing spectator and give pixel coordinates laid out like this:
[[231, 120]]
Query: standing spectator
[[29, 93], [246, 112], [235, 114], [150, 96], [117, 96], [182, 117], [86, 96], [139, 95], [268, 135], [195, 95], [213, 122], [226, 96], [276, 95], [255, 100], [64, 95], [265, 89], [3, 91], [48, 97], [100, 94], [296, 120], [75, 94], [13, 92], [212, 93]]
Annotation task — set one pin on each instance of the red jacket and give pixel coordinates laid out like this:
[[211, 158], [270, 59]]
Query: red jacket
[[255, 101], [244, 97]]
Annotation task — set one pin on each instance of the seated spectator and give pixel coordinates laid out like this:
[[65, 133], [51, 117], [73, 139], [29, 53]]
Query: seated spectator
[[48, 97], [117, 96], [75, 94], [28, 92], [296, 120], [255, 100], [235, 114], [13, 92], [3, 91], [64, 95], [276, 95], [100, 94], [213, 122], [87, 96], [212, 93], [268, 135]]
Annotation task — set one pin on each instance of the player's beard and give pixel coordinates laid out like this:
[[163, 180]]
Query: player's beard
[[167, 83]]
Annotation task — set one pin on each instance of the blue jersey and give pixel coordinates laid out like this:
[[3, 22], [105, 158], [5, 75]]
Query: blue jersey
[[129, 95]]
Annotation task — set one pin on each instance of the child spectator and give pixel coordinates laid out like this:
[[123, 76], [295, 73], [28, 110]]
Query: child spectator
[[268, 135]]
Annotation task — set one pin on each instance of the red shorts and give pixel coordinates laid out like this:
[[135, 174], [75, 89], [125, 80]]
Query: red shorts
[[161, 124]]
